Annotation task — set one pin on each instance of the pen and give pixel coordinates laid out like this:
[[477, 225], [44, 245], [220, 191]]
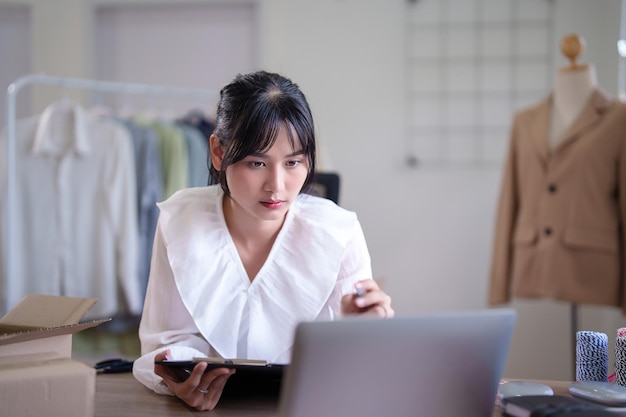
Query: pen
[[360, 292]]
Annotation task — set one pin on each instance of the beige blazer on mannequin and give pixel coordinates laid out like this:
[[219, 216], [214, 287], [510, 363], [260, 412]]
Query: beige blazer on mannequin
[[560, 224]]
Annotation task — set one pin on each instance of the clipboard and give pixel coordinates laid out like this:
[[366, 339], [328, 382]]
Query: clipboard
[[246, 368]]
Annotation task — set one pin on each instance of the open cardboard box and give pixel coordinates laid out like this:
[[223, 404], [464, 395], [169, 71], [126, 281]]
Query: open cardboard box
[[46, 384], [44, 323], [37, 375]]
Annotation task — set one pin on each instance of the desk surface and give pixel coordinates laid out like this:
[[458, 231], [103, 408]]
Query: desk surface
[[121, 394]]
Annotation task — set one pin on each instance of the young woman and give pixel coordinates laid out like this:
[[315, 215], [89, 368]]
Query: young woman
[[237, 265]]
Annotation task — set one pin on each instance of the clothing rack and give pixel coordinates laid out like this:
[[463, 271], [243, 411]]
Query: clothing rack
[[68, 83]]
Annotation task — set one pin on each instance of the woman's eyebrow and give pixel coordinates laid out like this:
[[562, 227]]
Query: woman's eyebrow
[[296, 153], [263, 155]]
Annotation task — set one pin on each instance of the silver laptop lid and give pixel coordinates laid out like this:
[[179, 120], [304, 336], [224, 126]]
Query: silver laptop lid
[[427, 365]]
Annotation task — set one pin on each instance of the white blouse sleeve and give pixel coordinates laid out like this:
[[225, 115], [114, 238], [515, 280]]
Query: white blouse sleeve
[[165, 323], [355, 266]]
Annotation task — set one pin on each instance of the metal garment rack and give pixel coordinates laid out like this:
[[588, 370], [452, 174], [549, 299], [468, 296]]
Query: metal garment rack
[[66, 84]]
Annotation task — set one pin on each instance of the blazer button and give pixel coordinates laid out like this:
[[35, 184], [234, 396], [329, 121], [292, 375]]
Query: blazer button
[[547, 231], [551, 188]]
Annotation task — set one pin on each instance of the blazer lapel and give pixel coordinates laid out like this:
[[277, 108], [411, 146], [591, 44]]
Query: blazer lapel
[[590, 115], [540, 127]]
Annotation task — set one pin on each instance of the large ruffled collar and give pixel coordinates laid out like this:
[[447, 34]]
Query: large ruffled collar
[[293, 285]]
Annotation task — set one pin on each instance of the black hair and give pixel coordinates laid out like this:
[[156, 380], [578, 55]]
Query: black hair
[[251, 110]]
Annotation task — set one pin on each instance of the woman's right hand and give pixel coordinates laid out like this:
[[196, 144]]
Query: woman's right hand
[[201, 390]]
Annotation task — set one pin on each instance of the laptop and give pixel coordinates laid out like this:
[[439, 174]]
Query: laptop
[[428, 365]]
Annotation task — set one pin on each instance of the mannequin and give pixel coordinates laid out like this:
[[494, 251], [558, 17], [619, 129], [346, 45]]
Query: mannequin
[[562, 200], [573, 87], [559, 228]]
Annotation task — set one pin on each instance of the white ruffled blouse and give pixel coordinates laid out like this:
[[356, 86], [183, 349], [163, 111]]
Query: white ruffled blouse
[[200, 301]]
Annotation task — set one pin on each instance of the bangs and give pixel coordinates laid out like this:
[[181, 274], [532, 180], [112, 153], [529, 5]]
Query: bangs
[[260, 133]]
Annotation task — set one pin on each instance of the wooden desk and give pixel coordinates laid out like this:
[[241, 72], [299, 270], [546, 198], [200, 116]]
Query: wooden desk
[[122, 395]]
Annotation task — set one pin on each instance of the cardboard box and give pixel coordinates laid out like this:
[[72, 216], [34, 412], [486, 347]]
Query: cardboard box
[[37, 375], [44, 323], [46, 384]]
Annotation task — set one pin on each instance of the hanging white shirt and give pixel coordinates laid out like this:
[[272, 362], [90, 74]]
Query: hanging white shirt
[[200, 300], [76, 215]]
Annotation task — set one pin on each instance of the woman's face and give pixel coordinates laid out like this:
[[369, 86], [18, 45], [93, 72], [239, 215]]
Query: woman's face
[[263, 186]]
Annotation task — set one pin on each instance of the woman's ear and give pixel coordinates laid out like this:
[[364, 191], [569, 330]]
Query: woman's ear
[[217, 152]]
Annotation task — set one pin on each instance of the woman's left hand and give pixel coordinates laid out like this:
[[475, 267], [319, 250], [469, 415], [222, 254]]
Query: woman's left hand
[[368, 298]]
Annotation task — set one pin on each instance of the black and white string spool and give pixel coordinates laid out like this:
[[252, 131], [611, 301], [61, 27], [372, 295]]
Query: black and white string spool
[[592, 356], [620, 357]]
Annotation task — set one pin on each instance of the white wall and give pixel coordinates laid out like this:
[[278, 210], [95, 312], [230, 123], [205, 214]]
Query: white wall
[[429, 229], [15, 41], [197, 46]]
